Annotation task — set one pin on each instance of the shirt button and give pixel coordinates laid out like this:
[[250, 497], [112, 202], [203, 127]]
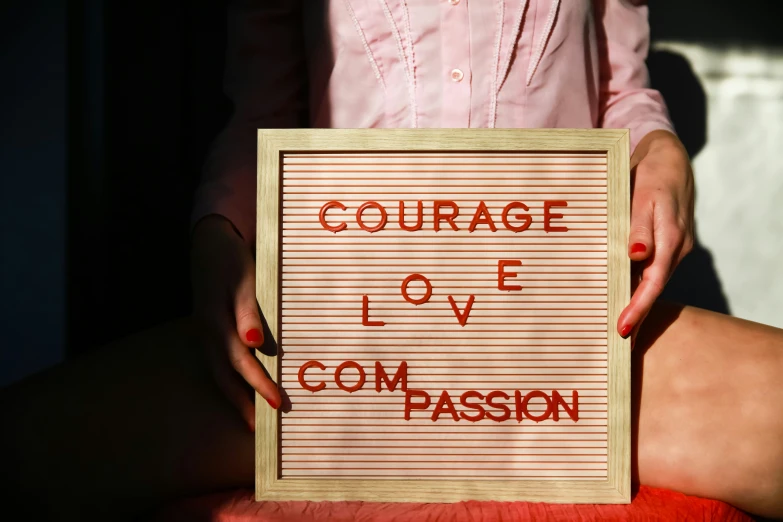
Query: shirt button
[[453, 2], [457, 75]]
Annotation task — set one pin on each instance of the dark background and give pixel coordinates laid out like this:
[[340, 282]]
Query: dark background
[[107, 111]]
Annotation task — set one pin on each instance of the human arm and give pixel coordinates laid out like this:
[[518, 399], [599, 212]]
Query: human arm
[[662, 180], [266, 81]]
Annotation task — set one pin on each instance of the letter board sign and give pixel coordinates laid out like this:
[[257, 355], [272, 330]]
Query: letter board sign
[[443, 303]]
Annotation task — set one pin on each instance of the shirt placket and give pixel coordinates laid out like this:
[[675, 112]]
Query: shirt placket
[[456, 71]]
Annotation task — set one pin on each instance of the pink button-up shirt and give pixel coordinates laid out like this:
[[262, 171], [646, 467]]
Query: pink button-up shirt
[[424, 63]]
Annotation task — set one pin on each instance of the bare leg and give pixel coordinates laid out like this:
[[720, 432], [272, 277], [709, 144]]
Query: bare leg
[[114, 435], [708, 405], [140, 422]]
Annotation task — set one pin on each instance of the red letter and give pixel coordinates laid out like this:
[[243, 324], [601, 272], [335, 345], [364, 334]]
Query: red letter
[[506, 412], [401, 375], [543, 416], [444, 404], [462, 317], [572, 412], [366, 313], [518, 403], [338, 374], [322, 217], [415, 406], [464, 401], [448, 217], [502, 274], [404, 289], [419, 220], [361, 210], [303, 369], [525, 217], [549, 216], [482, 210]]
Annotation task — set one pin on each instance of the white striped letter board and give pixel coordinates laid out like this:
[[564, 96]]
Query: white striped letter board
[[444, 317]]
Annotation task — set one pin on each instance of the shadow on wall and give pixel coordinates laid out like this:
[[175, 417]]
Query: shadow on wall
[[695, 282]]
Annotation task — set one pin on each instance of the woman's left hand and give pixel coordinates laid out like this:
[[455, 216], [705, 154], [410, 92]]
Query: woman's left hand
[[661, 221]]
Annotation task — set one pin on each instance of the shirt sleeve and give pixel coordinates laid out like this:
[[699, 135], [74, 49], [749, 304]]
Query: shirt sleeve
[[265, 79], [626, 99]]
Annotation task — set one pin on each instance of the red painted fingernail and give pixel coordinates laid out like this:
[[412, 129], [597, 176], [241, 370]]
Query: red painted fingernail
[[272, 403], [253, 335], [638, 248], [625, 330]]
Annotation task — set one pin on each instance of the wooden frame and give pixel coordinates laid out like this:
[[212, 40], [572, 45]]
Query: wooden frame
[[273, 144]]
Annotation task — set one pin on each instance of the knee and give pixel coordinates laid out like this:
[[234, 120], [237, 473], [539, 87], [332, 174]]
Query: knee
[[758, 487], [752, 472]]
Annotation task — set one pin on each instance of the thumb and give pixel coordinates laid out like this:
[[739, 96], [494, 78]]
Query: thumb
[[640, 240], [248, 321]]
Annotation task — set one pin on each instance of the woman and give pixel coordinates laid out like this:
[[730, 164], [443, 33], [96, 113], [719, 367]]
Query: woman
[[707, 414], [523, 63]]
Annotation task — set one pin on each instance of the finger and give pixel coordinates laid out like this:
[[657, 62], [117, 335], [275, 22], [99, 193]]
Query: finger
[[636, 278], [236, 391], [248, 322], [249, 367], [635, 332], [640, 240], [230, 384], [654, 278], [687, 246], [636, 275]]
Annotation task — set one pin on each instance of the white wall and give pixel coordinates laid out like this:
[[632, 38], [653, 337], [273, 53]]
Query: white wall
[[739, 177], [32, 187]]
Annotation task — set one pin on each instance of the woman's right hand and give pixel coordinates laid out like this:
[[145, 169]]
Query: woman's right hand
[[224, 304]]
